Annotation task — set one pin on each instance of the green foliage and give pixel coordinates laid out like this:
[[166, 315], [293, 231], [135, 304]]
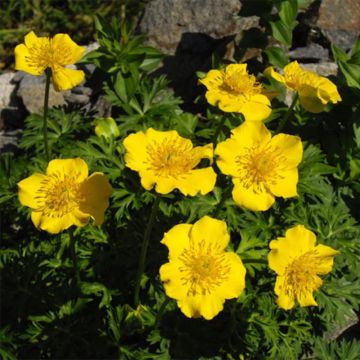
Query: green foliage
[[74, 299]]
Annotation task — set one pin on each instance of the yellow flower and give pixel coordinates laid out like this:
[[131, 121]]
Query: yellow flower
[[200, 275], [261, 167], [298, 262], [234, 90], [40, 53], [314, 91], [65, 196], [165, 159]]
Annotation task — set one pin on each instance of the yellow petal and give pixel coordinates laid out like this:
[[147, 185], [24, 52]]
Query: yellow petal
[[66, 50], [211, 305], [327, 91], [205, 152], [210, 231], [136, 151], [257, 108], [95, 192], [171, 276], [284, 301], [177, 239], [227, 152], [164, 185], [33, 41], [286, 184], [24, 62], [69, 167], [325, 258], [65, 79], [236, 68], [309, 99], [54, 225], [307, 298], [250, 133], [28, 188], [291, 149], [297, 241], [198, 180], [253, 199], [213, 79], [190, 306], [234, 284], [270, 72]]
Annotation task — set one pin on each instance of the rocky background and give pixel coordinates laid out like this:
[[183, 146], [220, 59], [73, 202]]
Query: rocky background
[[189, 32]]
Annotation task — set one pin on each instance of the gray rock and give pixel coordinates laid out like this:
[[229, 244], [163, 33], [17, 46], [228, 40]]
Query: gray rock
[[339, 21], [313, 52], [165, 22], [31, 91], [322, 68], [79, 99], [9, 140], [6, 89]]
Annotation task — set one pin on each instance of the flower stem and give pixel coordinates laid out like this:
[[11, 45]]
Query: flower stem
[[217, 131], [144, 247], [74, 258], [221, 203], [46, 107], [284, 120], [161, 312]]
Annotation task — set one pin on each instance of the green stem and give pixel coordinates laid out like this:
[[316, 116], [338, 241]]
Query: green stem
[[161, 312], [144, 248], [284, 120], [221, 203], [217, 131], [46, 107], [74, 257]]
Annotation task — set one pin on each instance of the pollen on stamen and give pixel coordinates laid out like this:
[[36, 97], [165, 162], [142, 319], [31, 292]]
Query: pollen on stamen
[[204, 268]]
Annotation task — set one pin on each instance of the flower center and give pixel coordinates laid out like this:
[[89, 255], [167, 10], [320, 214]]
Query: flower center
[[301, 275], [171, 157], [241, 84], [46, 54], [259, 166], [303, 77], [203, 268], [58, 195]]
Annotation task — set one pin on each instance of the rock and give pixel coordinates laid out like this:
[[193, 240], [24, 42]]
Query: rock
[[9, 140], [339, 21], [322, 68], [7, 88], [12, 112], [311, 52], [350, 320], [31, 91], [166, 21]]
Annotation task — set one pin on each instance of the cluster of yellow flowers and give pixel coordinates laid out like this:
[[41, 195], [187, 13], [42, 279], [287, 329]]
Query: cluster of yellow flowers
[[200, 274]]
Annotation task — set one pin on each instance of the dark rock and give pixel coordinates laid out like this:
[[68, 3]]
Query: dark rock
[[165, 22], [339, 20], [102, 107], [79, 99]]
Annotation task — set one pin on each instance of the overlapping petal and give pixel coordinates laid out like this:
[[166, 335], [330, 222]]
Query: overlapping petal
[[200, 275], [298, 261], [167, 161], [65, 195], [261, 167]]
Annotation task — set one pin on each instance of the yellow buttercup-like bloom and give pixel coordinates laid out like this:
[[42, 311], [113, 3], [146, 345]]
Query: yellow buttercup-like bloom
[[65, 195], [261, 167], [298, 261], [314, 91], [234, 90], [40, 53], [168, 161], [200, 275]]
